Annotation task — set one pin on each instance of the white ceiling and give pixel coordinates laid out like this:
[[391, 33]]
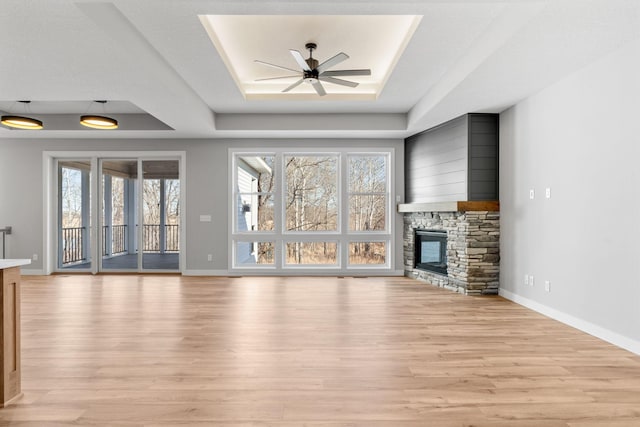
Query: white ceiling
[[465, 56]]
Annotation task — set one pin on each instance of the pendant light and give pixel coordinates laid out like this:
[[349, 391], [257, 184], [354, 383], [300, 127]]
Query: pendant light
[[21, 122], [98, 122]]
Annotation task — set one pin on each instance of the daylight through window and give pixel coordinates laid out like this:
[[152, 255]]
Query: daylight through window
[[311, 210]]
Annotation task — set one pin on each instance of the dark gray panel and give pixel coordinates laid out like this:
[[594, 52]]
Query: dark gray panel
[[484, 139], [482, 175], [483, 123], [483, 186], [485, 163], [483, 151], [483, 156]]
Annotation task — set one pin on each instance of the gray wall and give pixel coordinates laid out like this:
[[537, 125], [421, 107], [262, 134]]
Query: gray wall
[[21, 189], [579, 138]]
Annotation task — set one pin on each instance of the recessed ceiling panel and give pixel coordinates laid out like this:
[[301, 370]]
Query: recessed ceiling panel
[[373, 42]]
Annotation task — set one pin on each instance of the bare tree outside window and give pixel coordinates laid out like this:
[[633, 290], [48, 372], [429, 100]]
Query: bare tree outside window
[[117, 201], [151, 211], [151, 201], [311, 203], [367, 206], [172, 201], [71, 197]]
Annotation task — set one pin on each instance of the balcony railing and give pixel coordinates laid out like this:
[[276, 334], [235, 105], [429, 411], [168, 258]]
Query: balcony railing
[[73, 238], [72, 245], [151, 238], [118, 239]]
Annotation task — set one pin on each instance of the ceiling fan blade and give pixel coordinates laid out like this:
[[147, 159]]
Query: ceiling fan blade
[[335, 60], [293, 85], [276, 78], [333, 80], [276, 66], [318, 87], [300, 60], [347, 73]]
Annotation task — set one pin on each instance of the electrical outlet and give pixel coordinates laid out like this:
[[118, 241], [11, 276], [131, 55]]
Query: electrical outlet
[[532, 194], [209, 257], [526, 279], [547, 193], [34, 257], [531, 282], [547, 285]]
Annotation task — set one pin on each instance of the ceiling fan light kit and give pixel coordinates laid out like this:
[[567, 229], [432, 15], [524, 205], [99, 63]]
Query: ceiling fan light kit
[[313, 72]]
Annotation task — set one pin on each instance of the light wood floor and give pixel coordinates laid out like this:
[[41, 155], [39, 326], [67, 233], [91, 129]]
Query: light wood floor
[[321, 352]]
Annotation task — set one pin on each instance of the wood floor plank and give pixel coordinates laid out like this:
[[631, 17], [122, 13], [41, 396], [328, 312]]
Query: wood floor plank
[[149, 350]]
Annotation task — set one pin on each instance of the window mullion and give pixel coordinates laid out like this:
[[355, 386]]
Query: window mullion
[[279, 211], [343, 210]]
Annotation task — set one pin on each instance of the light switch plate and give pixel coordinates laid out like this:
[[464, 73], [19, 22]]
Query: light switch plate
[[532, 194], [547, 285], [205, 218], [547, 193]]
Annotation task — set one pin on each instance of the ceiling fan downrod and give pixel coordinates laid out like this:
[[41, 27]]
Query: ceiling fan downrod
[[311, 76]]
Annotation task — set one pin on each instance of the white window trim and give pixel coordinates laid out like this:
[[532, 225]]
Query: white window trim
[[343, 236]]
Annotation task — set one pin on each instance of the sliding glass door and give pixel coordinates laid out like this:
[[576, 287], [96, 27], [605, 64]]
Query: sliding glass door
[[118, 222], [161, 214], [119, 215], [74, 215]]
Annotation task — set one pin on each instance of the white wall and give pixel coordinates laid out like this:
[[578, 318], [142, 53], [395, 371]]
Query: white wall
[[579, 137], [21, 190]]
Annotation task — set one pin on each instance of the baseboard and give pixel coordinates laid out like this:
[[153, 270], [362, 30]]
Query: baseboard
[[205, 273], [265, 272], [30, 272], [580, 324]]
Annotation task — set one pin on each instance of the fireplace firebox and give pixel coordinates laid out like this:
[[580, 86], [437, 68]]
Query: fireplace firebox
[[431, 250]]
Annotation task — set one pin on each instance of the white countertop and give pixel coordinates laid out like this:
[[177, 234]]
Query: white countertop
[[8, 263]]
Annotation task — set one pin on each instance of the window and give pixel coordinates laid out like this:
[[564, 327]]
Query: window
[[255, 186], [312, 193], [311, 210]]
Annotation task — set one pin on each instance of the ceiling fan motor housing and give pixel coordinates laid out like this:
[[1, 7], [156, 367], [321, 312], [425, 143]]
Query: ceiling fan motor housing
[[311, 76]]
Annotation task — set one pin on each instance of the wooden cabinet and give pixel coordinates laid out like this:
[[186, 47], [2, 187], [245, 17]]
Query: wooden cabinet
[[10, 388]]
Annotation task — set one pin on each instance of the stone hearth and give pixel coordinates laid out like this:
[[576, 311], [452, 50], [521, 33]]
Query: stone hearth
[[473, 249]]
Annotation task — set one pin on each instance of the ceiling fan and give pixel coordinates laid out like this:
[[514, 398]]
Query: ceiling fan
[[313, 73]]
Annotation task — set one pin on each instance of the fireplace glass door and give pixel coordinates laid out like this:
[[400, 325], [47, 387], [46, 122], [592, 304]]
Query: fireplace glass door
[[431, 251]]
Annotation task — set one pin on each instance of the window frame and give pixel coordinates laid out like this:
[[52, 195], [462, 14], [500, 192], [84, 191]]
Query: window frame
[[343, 235]]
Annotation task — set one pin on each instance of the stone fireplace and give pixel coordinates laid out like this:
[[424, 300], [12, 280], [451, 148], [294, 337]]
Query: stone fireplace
[[472, 248]]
